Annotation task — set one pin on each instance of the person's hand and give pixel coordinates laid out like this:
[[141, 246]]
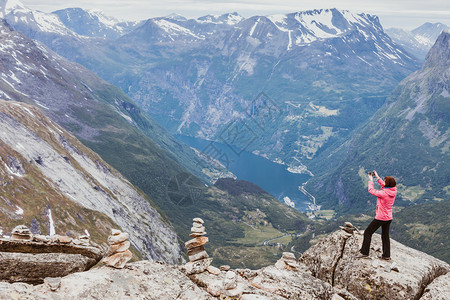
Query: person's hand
[[370, 177], [376, 174]]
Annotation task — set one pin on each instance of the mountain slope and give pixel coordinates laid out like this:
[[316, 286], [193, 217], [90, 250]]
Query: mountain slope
[[109, 123], [49, 177], [418, 41], [325, 70], [324, 78], [408, 138]]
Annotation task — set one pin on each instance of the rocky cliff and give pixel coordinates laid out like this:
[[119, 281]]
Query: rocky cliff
[[51, 181], [328, 270]]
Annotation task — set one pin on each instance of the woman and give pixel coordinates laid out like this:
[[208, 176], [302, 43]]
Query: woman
[[383, 217]]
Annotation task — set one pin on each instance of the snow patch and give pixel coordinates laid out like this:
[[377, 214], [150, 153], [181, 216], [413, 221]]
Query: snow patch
[[41, 105], [19, 210], [86, 232], [254, 26]]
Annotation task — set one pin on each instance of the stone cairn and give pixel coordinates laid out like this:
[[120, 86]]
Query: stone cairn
[[287, 262], [349, 229], [199, 260], [231, 289], [118, 254], [21, 232]]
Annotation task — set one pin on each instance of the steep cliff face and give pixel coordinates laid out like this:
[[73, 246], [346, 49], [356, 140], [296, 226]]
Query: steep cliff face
[[49, 180]]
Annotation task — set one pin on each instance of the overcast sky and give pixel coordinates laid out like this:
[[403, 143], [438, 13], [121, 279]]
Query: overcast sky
[[393, 13]]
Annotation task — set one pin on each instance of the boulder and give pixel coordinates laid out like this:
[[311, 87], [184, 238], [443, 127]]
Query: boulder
[[332, 260], [439, 289], [32, 261], [287, 284]]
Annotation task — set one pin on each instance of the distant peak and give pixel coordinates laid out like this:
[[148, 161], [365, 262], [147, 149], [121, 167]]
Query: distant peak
[[228, 18], [175, 16], [7, 6]]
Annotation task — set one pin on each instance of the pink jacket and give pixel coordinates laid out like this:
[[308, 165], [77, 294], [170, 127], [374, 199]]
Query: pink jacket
[[385, 200]]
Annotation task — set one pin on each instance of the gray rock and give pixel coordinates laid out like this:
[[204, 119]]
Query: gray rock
[[225, 268], [198, 220], [119, 238], [197, 225], [199, 230], [288, 256], [230, 282], [198, 256], [52, 283], [32, 261], [332, 259], [439, 289], [213, 270], [287, 284], [33, 268], [195, 267], [140, 280]]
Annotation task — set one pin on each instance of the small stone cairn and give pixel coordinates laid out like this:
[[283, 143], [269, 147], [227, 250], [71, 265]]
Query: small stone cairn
[[118, 254], [349, 229], [199, 260], [287, 262], [21, 232], [231, 289]]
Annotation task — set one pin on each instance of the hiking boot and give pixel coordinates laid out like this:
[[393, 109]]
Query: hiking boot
[[360, 255], [385, 258]]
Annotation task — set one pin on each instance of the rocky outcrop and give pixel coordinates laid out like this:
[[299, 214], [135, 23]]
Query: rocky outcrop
[[139, 280], [31, 261], [407, 276], [328, 270]]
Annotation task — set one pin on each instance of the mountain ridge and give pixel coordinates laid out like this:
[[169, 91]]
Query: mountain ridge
[[48, 173]]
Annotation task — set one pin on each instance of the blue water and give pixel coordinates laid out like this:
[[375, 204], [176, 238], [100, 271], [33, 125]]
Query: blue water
[[272, 177]]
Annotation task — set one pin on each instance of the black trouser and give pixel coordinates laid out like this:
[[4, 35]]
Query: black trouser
[[373, 226]]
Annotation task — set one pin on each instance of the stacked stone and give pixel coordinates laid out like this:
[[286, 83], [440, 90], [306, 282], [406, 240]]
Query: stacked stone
[[199, 260], [349, 229], [21, 232], [287, 262], [231, 289], [118, 254]]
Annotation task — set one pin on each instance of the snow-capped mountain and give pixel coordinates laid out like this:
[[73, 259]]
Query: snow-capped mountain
[[325, 66], [229, 19], [417, 41], [94, 23], [209, 75], [30, 21]]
